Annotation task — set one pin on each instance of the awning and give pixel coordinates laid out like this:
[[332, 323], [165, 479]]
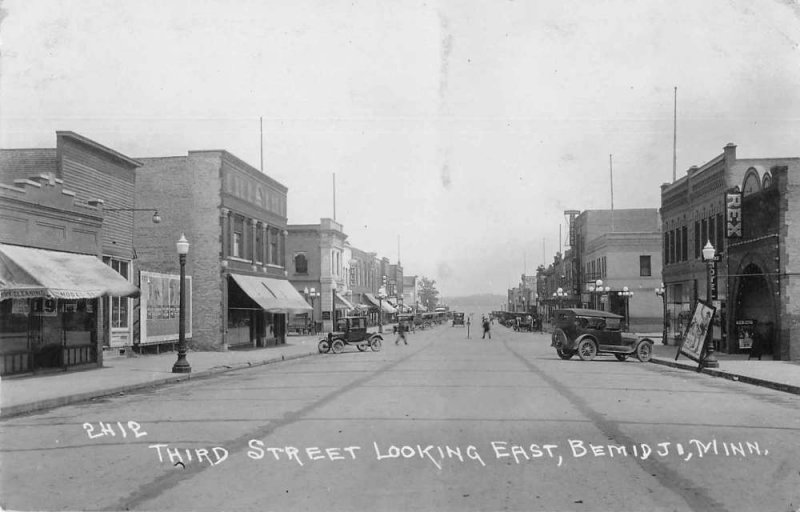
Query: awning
[[344, 303], [273, 295], [380, 304], [29, 273]]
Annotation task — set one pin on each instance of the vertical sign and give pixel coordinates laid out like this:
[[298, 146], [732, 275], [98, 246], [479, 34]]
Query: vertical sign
[[733, 214], [712, 268]]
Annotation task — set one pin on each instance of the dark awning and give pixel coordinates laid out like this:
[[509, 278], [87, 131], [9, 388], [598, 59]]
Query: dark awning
[[29, 273], [273, 295]]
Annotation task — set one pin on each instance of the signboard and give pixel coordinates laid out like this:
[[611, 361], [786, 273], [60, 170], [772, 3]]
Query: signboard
[[697, 334], [159, 307], [733, 214], [326, 315], [744, 333], [712, 269]]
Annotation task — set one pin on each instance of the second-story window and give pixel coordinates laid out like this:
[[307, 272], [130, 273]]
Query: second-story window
[[300, 264], [274, 247], [238, 237], [644, 266]]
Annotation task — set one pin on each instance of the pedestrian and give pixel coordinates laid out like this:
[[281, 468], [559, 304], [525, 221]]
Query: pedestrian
[[401, 334], [486, 328]]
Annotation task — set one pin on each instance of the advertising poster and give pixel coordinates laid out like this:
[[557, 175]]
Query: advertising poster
[[697, 334], [160, 305]]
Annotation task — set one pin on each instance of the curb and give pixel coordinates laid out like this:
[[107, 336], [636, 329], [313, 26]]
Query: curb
[[52, 403], [786, 388]]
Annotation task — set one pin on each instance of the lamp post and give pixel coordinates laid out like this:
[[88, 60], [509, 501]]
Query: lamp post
[[333, 306], [559, 296], [662, 292], [182, 365], [626, 295], [598, 287], [709, 361], [312, 294], [381, 297]]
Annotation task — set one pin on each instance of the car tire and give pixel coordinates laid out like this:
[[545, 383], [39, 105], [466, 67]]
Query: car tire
[[644, 351], [362, 346], [337, 346], [375, 344], [565, 354], [323, 347], [587, 349], [621, 357]]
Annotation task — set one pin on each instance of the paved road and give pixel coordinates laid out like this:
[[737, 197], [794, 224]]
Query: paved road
[[444, 423]]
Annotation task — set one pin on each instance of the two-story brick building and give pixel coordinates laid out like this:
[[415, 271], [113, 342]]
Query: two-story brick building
[[234, 217]]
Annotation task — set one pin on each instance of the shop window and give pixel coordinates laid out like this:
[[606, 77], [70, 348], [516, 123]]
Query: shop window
[[644, 266], [300, 264], [119, 305]]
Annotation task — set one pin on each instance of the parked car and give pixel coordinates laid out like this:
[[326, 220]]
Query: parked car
[[350, 331], [589, 332]]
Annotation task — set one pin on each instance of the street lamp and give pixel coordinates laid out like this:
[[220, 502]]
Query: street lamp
[[182, 365], [662, 292], [559, 296], [333, 306], [710, 361], [312, 294], [381, 297], [626, 295]]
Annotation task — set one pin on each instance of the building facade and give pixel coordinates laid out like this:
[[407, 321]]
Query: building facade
[[92, 171], [319, 249], [234, 217], [695, 210], [55, 291]]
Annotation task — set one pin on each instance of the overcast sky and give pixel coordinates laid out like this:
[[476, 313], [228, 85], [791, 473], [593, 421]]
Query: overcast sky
[[461, 129]]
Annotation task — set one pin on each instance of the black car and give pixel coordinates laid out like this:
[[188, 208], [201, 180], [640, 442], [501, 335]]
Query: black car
[[589, 332]]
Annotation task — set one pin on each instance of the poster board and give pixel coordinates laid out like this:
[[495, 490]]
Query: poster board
[[744, 333], [698, 332], [159, 307]]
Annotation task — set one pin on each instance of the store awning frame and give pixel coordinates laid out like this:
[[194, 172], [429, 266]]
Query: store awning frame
[[30, 273], [272, 295], [344, 302], [387, 308]]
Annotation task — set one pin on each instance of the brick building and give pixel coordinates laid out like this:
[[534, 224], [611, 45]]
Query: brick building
[[92, 171], [55, 291], [317, 253], [234, 217], [693, 212]]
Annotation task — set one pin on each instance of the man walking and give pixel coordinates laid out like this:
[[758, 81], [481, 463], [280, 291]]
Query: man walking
[[401, 334], [486, 328]]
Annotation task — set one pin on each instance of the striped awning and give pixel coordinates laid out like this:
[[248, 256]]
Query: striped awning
[[29, 273]]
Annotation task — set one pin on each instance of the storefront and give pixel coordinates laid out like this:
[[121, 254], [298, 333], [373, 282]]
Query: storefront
[[258, 308], [51, 307]]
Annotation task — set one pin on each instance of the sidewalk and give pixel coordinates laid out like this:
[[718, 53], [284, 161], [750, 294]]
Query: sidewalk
[[779, 375], [24, 394]]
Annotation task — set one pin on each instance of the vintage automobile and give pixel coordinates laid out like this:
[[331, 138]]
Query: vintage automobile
[[458, 319], [350, 331], [589, 332]]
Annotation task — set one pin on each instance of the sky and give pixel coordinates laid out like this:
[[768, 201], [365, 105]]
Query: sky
[[458, 132]]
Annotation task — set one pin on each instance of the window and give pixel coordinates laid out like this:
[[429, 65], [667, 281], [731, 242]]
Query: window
[[644, 266], [703, 233], [238, 239], [685, 243], [678, 247], [667, 261], [697, 247], [119, 305], [300, 264], [711, 232], [273, 242], [259, 245], [720, 234]]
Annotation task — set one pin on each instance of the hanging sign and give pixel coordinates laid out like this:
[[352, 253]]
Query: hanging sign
[[733, 214]]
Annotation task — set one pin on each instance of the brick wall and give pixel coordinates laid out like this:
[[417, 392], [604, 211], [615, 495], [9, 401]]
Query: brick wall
[[187, 192]]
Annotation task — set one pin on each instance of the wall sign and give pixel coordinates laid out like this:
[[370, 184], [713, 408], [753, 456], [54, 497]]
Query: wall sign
[[733, 214]]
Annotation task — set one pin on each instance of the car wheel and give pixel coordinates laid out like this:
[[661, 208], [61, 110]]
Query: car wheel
[[587, 349], [375, 344], [323, 347], [565, 354], [362, 347], [644, 351], [337, 346]]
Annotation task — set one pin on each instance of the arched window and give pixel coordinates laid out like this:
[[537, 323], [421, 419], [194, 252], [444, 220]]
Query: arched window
[[752, 183], [767, 181], [300, 264]]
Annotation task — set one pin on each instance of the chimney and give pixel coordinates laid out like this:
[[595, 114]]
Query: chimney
[[730, 153]]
